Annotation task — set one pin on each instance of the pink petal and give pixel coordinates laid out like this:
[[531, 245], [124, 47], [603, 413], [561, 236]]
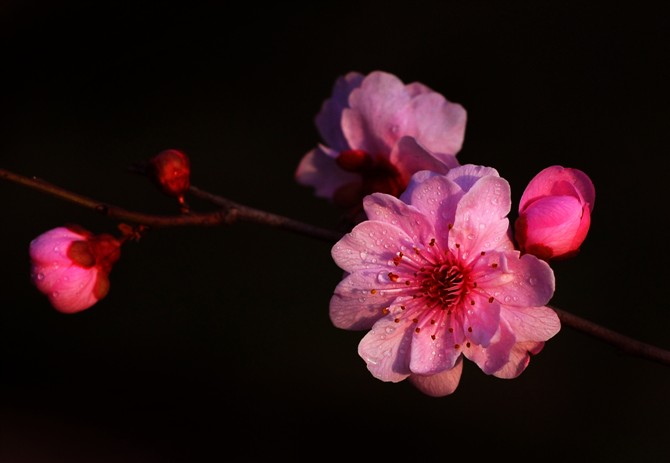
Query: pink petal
[[440, 384], [430, 356], [438, 124], [483, 320], [353, 306], [558, 180], [467, 175], [524, 281], [319, 170], [436, 198], [531, 323], [378, 114], [519, 359], [329, 119], [481, 222], [389, 209], [51, 247], [409, 157], [385, 349], [70, 288], [370, 245], [553, 222], [494, 356]]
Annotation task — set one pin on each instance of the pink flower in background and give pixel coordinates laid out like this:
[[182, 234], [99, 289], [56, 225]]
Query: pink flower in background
[[71, 266], [377, 132], [555, 213], [434, 277]]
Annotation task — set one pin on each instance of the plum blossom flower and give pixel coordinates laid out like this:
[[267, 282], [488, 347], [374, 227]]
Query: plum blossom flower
[[555, 213], [434, 277], [71, 266], [377, 131]]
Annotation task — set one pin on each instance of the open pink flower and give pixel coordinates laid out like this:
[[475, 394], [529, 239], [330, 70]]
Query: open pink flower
[[71, 266], [555, 213], [377, 132], [434, 277]]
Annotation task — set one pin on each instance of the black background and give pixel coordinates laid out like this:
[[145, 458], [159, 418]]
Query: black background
[[214, 344]]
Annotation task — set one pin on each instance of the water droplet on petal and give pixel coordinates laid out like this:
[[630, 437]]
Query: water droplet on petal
[[39, 276]]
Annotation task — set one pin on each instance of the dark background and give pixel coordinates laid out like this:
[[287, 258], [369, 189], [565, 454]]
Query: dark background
[[214, 344]]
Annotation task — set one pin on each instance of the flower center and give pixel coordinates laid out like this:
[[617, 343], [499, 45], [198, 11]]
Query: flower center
[[378, 175], [443, 285]]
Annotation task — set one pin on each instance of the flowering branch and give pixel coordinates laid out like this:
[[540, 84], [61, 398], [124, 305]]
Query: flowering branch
[[231, 212], [228, 213]]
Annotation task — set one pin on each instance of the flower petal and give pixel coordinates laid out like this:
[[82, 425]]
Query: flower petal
[[51, 247], [389, 209], [370, 245], [430, 356], [524, 281], [519, 359], [329, 119], [440, 384], [559, 181], [481, 320], [494, 356], [438, 124], [481, 222], [385, 349], [408, 156], [531, 323], [436, 197], [319, 170], [378, 113], [353, 306]]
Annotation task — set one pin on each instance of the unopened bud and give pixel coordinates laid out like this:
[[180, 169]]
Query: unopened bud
[[71, 266], [171, 169]]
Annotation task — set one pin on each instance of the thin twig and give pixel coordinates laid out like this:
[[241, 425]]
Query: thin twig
[[625, 343]]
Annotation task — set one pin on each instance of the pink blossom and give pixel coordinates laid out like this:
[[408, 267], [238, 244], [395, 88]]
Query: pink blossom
[[435, 278], [377, 132], [555, 213], [71, 266]]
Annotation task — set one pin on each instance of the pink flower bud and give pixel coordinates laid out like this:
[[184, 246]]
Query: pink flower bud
[[555, 213], [171, 169], [71, 266]]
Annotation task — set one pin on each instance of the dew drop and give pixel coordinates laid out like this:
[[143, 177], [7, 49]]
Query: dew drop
[[508, 299], [363, 254], [39, 276]]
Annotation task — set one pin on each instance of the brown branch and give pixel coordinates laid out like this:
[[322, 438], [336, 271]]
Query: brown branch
[[230, 212], [625, 343]]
